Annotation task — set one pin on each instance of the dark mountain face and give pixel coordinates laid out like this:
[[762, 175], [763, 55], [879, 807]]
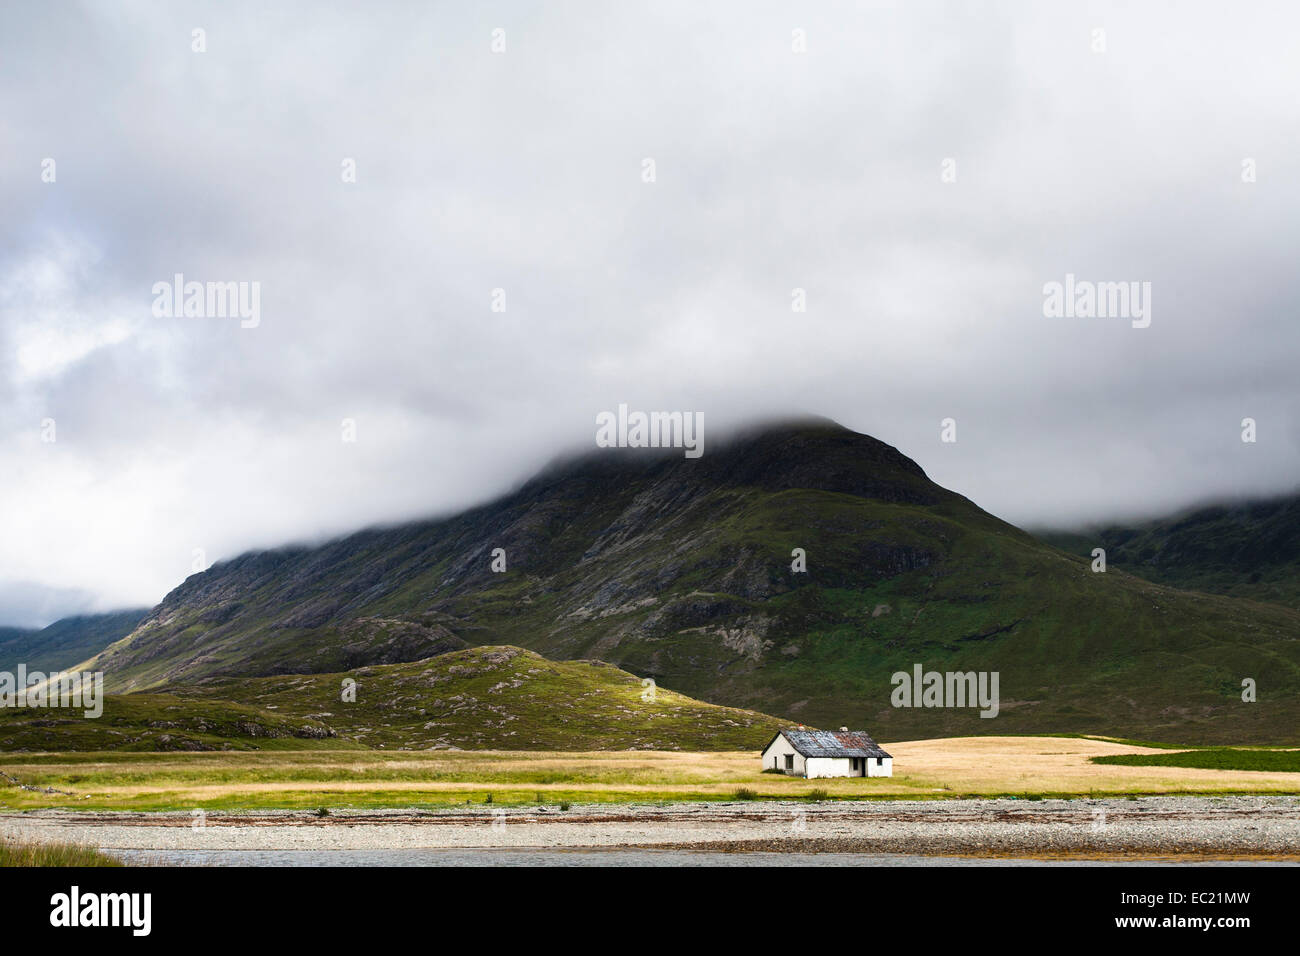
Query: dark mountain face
[[1245, 549], [681, 570], [66, 642]]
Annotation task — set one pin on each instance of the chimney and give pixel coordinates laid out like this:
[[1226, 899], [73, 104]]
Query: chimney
[[844, 730]]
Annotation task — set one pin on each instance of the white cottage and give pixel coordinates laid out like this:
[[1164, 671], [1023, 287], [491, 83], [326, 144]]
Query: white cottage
[[827, 753]]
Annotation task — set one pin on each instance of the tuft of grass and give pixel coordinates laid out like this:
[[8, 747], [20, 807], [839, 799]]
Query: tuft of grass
[[818, 794], [743, 793], [31, 853]]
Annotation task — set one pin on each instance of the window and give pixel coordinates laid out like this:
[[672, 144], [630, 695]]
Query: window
[[789, 761]]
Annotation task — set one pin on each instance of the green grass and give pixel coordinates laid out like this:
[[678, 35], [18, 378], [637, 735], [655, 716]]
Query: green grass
[[1215, 758], [24, 853]]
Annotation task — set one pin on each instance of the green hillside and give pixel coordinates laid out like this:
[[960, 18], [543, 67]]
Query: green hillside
[[159, 722], [497, 698]]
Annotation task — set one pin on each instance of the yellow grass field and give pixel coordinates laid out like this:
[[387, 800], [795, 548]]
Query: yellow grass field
[[934, 769]]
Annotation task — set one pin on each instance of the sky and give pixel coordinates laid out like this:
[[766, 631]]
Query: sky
[[559, 209]]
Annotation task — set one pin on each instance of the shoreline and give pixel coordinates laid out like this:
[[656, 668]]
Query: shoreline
[[1204, 828]]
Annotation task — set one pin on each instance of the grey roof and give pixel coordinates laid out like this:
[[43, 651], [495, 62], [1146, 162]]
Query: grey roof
[[831, 743]]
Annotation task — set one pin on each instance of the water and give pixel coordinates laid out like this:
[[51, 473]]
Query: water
[[594, 857]]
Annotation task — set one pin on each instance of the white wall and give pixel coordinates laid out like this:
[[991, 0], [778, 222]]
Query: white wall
[[830, 767], [886, 768], [774, 757]]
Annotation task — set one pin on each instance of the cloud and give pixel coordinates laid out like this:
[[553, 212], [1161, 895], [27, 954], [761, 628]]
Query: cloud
[[522, 170], [31, 605]]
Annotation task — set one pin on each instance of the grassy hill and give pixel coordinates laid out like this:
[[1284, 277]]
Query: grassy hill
[[680, 569], [501, 698], [498, 698], [159, 722]]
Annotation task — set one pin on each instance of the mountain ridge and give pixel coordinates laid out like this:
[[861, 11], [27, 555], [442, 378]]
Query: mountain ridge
[[67, 641], [1239, 547]]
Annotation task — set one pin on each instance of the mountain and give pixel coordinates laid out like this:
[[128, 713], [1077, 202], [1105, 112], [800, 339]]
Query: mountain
[[681, 570], [482, 698], [1245, 549], [65, 642]]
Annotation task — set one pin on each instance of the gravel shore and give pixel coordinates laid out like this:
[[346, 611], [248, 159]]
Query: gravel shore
[[1224, 826]]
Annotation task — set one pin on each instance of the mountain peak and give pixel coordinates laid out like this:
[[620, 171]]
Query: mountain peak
[[779, 454]]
